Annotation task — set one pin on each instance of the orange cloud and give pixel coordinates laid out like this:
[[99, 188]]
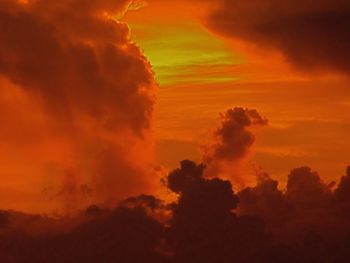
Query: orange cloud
[[94, 89], [231, 142]]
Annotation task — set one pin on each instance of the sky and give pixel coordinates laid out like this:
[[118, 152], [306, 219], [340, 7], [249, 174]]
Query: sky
[[179, 66], [195, 66], [203, 70], [174, 131]]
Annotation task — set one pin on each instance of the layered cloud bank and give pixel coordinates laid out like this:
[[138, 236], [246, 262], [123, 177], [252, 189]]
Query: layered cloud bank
[[209, 222], [312, 36], [90, 90]]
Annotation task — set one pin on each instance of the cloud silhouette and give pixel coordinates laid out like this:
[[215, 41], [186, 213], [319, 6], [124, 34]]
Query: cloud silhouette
[[232, 140], [207, 223], [313, 37]]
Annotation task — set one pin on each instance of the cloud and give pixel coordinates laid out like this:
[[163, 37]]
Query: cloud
[[204, 227], [232, 139], [265, 200], [96, 91], [305, 188], [95, 88], [313, 37], [307, 208], [208, 222], [121, 234], [77, 62], [342, 194]]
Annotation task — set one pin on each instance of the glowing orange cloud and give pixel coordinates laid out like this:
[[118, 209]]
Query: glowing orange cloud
[[86, 94]]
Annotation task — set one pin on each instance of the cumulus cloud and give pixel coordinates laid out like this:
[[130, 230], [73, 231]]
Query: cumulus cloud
[[265, 200], [312, 36], [204, 220], [231, 140], [306, 189], [95, 87], [208, 222]]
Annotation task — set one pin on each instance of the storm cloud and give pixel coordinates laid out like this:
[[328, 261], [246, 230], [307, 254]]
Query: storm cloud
[[312, 36], [94, 87]]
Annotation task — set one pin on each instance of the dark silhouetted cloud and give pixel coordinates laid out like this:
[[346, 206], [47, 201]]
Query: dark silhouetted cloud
[[207, 223], [312, 36]]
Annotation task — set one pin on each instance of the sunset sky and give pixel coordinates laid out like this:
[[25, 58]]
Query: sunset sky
[[183, 131], [202, 72], [206, 57]]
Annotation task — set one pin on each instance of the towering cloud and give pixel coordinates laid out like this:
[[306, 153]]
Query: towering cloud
[[312, 36], [231, 140], [96, 89]]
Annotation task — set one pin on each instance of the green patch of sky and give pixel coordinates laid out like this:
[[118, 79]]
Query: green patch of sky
[[185, 53]]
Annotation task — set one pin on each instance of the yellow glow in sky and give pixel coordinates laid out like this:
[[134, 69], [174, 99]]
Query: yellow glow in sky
[[185, 53]]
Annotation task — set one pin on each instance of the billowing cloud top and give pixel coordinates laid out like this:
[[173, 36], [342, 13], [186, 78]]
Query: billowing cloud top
[[78, 59], [232, 140], [93, 84]]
